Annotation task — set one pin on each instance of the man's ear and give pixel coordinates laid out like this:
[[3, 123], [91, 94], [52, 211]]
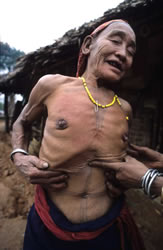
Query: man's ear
[[86, 46]]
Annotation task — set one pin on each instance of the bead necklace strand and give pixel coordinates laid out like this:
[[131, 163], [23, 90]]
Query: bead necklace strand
[[115, 98]]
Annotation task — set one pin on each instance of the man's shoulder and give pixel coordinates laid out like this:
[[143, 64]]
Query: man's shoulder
[[125, 105], [53, 81]]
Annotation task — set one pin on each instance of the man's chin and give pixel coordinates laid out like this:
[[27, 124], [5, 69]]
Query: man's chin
[[113, 85], [117, 77], [110, 79], [114, 77]]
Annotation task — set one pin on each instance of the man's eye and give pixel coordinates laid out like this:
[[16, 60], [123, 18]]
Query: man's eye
[[116, 41], [131, 53]]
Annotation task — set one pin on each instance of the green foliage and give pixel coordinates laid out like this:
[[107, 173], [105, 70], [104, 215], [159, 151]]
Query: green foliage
[[8, 56]]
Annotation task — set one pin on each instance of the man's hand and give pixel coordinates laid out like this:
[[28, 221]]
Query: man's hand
[[114, 189], [36, 172], [128, 173], [150, 157]]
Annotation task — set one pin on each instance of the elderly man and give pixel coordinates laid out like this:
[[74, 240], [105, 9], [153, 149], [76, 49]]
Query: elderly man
[[86, 121]]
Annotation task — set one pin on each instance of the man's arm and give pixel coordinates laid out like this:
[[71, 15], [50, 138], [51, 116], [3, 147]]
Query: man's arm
[[150, 157], [32, 110], [31, 166], [129, 174]]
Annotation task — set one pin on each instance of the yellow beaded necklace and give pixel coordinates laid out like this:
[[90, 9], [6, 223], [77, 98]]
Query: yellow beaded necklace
[[115, 98]]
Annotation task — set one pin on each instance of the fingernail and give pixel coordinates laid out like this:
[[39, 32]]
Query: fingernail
[[45, 165]]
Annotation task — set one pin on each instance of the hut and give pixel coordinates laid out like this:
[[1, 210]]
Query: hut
[[142, 87]]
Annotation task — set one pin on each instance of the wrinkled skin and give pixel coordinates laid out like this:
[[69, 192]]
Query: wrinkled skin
[[40, 174]]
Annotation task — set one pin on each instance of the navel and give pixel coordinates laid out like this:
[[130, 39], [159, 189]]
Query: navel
[[61, 124], [84, 195]]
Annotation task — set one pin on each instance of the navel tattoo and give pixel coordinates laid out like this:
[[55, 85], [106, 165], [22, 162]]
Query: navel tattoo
[[61, 124]]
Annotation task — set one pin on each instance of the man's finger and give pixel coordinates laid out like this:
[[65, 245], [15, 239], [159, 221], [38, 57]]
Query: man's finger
[[132, 152], [36, 173], [46, 181], [40, 164], [49, 175], [58, 186], [55, 187], [158, 165], [113, 192], [144, 151]]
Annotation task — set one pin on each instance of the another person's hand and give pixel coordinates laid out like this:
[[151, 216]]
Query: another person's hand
[[36, 172], [128, 173], [113, 187], [150, 157]]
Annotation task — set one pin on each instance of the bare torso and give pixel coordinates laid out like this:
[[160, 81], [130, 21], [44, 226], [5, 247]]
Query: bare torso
[[75, 134]]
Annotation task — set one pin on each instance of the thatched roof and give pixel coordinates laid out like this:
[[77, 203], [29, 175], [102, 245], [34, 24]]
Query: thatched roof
[[53, 58]]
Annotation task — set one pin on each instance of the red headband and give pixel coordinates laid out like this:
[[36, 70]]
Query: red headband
[[83, 58]]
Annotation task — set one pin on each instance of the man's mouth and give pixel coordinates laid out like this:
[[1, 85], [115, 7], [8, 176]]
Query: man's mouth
[[115, 64]]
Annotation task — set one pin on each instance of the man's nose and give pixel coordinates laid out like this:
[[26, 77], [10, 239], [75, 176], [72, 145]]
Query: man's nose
[[122, 53]]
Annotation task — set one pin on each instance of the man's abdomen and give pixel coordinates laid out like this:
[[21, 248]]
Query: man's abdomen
[[85, 198]]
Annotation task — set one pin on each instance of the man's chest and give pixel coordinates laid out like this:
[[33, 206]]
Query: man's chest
[[75, 116]]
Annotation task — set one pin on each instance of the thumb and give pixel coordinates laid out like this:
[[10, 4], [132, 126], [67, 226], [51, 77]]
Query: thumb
[[113, 165], [144, 151], [44, 165], [40, 164], [129, 159], [138, 148]]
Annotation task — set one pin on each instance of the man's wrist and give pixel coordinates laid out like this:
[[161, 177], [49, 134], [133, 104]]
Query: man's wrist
[[18, 150], [161, 159], [157, 185]]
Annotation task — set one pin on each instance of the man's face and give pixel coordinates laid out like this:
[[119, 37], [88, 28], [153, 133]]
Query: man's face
[[111, 53]]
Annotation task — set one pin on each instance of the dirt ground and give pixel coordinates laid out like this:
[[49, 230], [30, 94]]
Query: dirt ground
[[16, 197]]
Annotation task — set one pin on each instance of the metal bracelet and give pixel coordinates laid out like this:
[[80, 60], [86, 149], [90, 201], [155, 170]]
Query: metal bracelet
[[149, 186], [147, 181], [18, 150], [145, 175]]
